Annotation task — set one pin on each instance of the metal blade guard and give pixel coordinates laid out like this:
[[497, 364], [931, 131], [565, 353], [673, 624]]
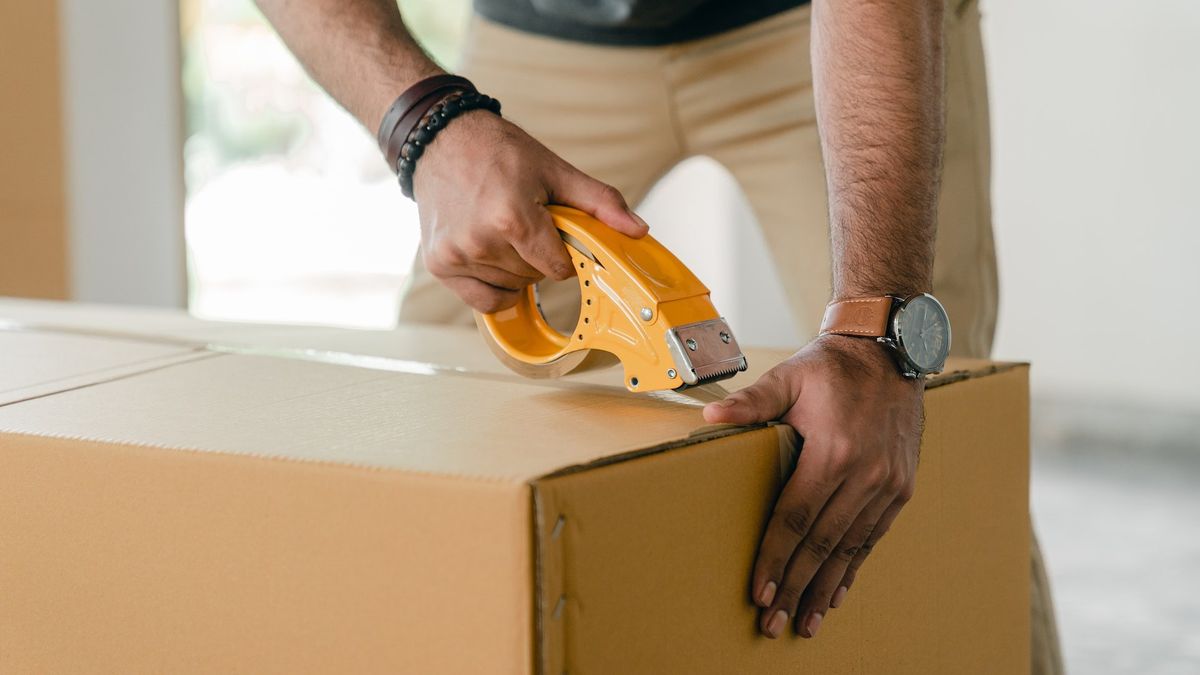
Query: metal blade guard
[[638, 303]]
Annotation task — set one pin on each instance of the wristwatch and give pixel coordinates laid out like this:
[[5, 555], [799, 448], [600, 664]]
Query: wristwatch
[[916, 329]]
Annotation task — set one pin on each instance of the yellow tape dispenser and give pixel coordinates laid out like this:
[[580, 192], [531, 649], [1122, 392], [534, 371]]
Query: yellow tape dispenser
[[638, 302]]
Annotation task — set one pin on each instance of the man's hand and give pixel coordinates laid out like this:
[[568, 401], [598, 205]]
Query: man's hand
[[861, 425], [482, 185], [482, 189]]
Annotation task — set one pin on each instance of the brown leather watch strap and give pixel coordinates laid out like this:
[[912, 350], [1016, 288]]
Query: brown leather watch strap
[[408, 109], [866, 317]]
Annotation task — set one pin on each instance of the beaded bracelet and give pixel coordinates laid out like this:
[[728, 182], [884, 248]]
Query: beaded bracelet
[[434, 120], [410, 106]]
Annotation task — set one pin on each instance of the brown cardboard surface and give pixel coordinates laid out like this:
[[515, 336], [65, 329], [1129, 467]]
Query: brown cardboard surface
[[270, 407], [122, 559], [664, 564], [244, 512], [37, 363]]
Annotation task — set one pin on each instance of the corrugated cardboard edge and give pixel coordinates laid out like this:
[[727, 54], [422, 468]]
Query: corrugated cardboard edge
[[549, 523], [987, 368]]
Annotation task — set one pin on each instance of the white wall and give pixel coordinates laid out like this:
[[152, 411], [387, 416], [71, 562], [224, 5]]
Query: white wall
[[1096, 121], [1096, 178], [124, 136], [698, 213]]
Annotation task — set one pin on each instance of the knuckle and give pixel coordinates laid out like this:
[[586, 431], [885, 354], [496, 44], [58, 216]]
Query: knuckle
[[859, 545], [846, 553], [435, 264], [473, 247], [796, 520], [445, 254], [879, 477], [493, 301], [841, 455], [867, 532], [773, 567], [818, 546], [558, 262], [843, 521], [510, 226], [612, 194]]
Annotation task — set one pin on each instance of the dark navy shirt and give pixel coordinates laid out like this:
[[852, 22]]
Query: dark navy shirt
[[630, 22]]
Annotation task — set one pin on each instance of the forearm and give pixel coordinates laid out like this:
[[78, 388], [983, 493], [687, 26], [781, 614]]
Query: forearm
[[357, 50], [877, 78]]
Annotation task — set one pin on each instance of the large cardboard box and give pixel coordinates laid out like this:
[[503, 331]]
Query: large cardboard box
[[181, 496]]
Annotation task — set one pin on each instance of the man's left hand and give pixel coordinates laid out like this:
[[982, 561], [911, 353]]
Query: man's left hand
[[861, 425]]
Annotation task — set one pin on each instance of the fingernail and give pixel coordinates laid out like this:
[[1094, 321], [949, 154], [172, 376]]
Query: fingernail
[[767, 596], [777, 623], [724, 403], [813, 624], [838, 596], [640, 220]]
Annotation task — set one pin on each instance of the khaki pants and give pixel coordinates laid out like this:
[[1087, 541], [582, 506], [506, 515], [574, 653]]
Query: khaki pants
[[628, 115]]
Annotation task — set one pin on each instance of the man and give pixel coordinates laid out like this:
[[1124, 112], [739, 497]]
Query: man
[[619, 91]]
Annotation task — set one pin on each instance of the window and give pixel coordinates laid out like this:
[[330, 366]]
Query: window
[[291, 215]]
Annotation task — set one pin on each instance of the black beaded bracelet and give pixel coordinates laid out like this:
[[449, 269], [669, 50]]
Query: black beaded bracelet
[[434, 120]]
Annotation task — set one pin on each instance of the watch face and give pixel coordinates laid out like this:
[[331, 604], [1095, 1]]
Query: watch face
[[923, 332]]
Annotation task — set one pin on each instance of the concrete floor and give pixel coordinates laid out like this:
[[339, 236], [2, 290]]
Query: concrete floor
[[1116, 500]]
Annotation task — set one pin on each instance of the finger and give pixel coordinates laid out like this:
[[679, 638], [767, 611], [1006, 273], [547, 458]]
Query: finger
[[881, 528], [540, 245], [493, 247], [481, 296], [571, 187], [795, 512], [810, 553], [502, 279], [512, 262], [765, 400], [819, 596], [467, 256]]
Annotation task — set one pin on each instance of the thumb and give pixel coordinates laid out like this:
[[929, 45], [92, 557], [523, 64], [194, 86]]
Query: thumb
[[767, 399], [572, 187]]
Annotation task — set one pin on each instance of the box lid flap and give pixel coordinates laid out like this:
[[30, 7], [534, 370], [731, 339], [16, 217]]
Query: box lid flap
[[37, 363], [422, 399]]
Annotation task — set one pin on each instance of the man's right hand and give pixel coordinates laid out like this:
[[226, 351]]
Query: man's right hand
[[482, 188]]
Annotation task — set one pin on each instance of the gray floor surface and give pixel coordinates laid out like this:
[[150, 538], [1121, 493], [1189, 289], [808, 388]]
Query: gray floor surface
[[1116, 501]]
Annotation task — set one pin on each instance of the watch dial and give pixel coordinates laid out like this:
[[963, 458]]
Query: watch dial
[[924, 332]]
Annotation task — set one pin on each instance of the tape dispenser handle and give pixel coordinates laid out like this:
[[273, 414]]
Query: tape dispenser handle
[[522, 330]]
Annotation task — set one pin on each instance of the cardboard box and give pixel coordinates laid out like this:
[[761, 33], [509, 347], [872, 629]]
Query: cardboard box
[[314, 500]]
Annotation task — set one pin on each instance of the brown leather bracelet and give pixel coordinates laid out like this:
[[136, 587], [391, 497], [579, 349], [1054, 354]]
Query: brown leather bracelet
[[409, 108], [413, 117]]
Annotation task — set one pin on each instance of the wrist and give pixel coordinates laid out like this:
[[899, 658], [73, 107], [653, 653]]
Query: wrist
[[441, 115], [869, 360], [383, 93], [897, 288], [418, 113], [445, 159]]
